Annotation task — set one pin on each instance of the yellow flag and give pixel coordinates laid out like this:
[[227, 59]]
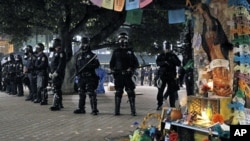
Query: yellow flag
[[108, 4]]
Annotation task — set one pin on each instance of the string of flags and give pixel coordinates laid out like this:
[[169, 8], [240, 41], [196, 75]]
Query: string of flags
[[118, 5], [135, 11]]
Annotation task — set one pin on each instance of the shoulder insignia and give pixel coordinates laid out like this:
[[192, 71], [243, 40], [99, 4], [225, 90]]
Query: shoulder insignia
[[79, 57], [61, 55]]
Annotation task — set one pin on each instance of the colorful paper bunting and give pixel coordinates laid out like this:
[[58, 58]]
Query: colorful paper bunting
[[144, 3], [108, 4], [118, 5], [97, 2], [132, 4], [134, 16], [176, 16]]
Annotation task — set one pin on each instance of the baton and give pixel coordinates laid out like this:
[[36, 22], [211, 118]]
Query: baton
[[84, 66]]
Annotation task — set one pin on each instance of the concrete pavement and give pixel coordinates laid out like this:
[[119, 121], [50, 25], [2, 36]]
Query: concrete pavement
[[22, 120]]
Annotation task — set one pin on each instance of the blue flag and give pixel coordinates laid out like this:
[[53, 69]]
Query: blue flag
[[176, 16]]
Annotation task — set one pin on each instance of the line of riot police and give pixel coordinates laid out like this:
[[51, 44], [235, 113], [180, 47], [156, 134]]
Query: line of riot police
[[12, 74], [30, 70], [37, 71]]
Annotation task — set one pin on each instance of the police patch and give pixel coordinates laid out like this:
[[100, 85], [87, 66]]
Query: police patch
[[61, 55], [43, 59], [88, 56]]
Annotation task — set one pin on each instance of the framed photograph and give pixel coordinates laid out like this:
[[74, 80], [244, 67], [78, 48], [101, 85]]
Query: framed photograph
[[165, 114]]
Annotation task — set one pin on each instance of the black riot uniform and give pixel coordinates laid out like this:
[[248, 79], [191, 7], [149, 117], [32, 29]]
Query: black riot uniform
[[41, 66], [11, 71], [3, 61], [57, 73], [86, 63], [4, 70], [19, 75], [30, 72], [1, 75], [167, 61], [123, 64]]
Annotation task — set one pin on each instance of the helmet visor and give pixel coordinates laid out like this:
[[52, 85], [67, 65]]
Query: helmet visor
[[123, 42]]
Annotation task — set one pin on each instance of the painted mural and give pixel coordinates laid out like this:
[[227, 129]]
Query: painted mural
[[222, 54]]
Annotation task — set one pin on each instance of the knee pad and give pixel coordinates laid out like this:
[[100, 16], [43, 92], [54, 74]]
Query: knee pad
[[90, 93], [130, 92], [118, 93]]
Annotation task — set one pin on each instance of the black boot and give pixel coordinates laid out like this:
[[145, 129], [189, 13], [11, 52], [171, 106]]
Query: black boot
[[61, 105], [81, 105], [93, 103], [60, 99], [132, 106], [44, 97], [55, 105], [79, 111], [117, 105]]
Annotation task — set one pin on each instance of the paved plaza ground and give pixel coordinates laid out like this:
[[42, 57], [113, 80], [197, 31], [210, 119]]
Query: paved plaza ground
[[25, 121]]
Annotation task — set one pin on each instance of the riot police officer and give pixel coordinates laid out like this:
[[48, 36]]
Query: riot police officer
[[11, 71], [85, 64], [41, 66], [123, 64], [4, 70], [1, 75], [57, 73], [19, 75], [167, 61], [30, 72]]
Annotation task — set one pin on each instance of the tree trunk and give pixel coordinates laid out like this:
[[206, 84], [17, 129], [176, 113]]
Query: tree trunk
[[68, 84]]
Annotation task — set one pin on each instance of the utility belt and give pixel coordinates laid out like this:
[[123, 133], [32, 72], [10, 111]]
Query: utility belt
[[123, 72], [41, 72], [31, 71], [86, 74]]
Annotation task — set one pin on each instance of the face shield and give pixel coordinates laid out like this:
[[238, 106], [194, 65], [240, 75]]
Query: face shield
[[123, 42], [39, 48], [166, 47], [18, 57], [85, 44], [4, 60], [56, 44]]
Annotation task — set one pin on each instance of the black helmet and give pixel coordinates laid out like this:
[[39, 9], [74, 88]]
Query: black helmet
[[166, 46], [11, 57], [56, 43], [123, 39], [85, 43], [28, 49], [39, 47], [18, 57], [4, 60]]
